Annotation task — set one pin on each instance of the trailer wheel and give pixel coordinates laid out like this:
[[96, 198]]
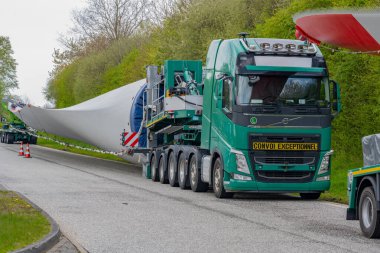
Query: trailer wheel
[[173, 181], [368, 215], [2, 138], [196, 183], [218, 177], [33, 140], [10, 139], [153, 168], [183, 178], [310, 195], [163, 174]]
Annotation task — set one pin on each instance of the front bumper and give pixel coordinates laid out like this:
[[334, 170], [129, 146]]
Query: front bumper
[[253, 186]]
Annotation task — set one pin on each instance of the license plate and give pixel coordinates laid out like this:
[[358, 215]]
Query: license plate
[[287, 146]]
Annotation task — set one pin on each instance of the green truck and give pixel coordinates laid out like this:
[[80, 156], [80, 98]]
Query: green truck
[[256, 118], [364, 189], [13, 129]]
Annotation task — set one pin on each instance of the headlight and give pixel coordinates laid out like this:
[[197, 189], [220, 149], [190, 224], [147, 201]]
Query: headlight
[[241, 162], [350, 179], [324, 167]]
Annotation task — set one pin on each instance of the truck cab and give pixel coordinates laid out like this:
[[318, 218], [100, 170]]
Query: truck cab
[[267, 111]]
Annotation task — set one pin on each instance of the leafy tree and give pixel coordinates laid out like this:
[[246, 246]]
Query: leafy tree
[[8, 79]]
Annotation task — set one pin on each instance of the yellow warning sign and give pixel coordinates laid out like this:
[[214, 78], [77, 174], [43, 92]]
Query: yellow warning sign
[[284, 146]]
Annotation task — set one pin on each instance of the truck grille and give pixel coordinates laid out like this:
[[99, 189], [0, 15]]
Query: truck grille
[[284, 157], [284, 176], [284, 160]]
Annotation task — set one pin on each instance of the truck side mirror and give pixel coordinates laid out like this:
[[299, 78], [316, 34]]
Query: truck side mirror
[[336, 101]]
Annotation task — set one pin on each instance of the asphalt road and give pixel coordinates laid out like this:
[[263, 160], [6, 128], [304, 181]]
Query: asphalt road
[[108, 207]]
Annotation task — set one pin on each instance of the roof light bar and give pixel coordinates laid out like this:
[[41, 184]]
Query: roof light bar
[[277, 46], [265, 46], [290, 47]]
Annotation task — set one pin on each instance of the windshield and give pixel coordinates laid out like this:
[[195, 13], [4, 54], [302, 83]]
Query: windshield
[[281, 89]]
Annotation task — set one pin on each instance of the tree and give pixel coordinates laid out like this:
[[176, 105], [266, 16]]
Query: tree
[[111, 19], [8, 79]]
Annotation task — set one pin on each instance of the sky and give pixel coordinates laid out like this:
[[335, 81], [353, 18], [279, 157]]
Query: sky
[[34, 28]]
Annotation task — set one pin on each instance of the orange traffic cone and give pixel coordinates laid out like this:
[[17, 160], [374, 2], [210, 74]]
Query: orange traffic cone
[[27, 152], [21, 152]]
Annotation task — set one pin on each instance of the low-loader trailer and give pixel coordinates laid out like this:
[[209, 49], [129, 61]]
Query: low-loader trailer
[[364, 189], [256, 118]]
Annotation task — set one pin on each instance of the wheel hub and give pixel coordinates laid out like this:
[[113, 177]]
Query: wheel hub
[[367, 212]]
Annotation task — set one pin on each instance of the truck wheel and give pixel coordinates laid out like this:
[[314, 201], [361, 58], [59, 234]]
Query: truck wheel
[[163, 174], [2, 138], [368, 215], [153, 169], [218, 175], [196, 183], [310, 195], [182, 172], [172, 171]]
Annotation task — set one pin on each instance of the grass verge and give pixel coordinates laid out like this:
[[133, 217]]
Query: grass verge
[[341, 164], [54, 145], [20, 223]]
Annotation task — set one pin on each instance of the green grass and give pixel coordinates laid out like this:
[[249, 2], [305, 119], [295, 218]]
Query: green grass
[[20, 223], [341, 164], [54, 145]]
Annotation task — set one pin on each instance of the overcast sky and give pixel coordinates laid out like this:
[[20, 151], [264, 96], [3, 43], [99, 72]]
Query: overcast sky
[[33, 28]]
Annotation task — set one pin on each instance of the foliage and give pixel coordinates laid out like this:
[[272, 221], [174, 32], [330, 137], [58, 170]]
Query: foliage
[[8, 79], [20, 223]]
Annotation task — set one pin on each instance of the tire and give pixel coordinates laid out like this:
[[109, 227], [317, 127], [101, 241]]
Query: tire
[[10, 139], [196, 183], [310, 195], [33, 140], [153, 168], [172, 170], [368, 215], [217, 181], [163, 174], [183, 178], [2, 138]]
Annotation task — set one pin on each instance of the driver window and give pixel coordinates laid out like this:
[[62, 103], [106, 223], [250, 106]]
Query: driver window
[[227, 94]]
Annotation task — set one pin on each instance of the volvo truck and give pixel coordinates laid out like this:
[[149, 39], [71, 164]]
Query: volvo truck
[[255, 118]]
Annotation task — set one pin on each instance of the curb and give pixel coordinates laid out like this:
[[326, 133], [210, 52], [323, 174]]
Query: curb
[[48, 241]]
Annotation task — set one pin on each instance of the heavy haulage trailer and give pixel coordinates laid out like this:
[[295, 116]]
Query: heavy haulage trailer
[[13, 129], [364, 189], [256, 118]]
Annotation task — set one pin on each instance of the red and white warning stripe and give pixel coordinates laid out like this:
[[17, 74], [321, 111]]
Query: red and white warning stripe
[[131, 139], [354, 30]]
